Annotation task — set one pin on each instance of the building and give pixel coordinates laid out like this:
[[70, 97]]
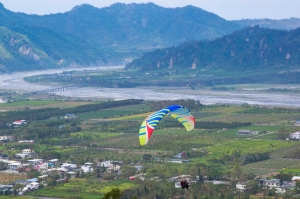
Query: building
[[26, 141], [295, 135], [68, 166], [296, 179], [87, 167], [105, 164], [27, 151], [3, 101], [7, 138], [178, 160], [35, 161], [279, 186], [241, 186], [18, 123], [138, 167], [14, 166], [22, 155], [247, 132], [69, 116]]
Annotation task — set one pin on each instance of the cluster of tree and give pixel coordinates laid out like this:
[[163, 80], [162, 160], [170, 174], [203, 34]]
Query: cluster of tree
[[255, 157]]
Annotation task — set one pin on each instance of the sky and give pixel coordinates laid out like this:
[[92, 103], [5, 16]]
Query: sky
[[227, 9]]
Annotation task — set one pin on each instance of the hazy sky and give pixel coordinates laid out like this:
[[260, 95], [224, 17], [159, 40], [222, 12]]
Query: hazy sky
[[228, 9]]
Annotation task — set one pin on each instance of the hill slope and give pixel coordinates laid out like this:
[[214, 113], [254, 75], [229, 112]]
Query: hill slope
[[247, 49], [88, 35]]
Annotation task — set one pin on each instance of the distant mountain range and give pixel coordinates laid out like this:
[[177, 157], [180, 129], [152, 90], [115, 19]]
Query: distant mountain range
[[249, 49], [284, 24], [96, 36]]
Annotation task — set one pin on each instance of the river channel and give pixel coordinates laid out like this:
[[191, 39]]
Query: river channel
[[15, 82]]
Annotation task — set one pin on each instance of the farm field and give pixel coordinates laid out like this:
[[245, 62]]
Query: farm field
[[271, 165], [83, 188], [10, 177]]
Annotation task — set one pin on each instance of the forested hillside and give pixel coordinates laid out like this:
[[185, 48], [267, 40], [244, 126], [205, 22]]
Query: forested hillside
[[87, 35], [248, 49]]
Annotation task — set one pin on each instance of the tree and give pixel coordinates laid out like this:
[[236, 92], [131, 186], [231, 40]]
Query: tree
[[32, 173], [113, 194], [147, 157]]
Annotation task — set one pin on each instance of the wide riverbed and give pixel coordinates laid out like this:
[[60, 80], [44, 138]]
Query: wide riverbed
[[15, 82]]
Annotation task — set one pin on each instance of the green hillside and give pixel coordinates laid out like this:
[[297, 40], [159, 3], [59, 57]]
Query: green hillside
[[249, 49], [100, 36]]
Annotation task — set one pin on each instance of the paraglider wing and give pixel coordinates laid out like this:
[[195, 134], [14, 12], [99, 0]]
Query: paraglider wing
[[178, 112]]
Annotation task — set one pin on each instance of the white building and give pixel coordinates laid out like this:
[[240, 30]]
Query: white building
[[22, 155], [7, 137], [105, 164], [87, 167], [27, 151], [35, 161], [295, 135], [68, 166], [18, 123], [14, 166], [241, 186], [296, 179]]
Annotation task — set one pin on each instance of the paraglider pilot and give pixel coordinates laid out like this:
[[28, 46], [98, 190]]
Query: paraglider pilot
[[184, 184]]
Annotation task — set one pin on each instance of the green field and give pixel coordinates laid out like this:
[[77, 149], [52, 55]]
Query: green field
[[271, 165], [83, 188]]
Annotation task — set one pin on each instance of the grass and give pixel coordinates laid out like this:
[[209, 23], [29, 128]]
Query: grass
[[271, 165], [113, 113], [83, 188]]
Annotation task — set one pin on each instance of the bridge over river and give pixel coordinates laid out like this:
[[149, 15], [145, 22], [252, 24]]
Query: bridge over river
[[51, 90]]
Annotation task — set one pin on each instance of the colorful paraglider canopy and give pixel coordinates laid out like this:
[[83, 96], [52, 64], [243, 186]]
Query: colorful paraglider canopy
[[178, 112]]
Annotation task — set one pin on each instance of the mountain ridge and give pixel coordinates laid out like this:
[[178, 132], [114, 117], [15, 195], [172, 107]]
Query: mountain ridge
[[250, 48]]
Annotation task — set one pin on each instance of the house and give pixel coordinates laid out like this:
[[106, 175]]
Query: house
[[41, 166], [241, 186], [14, 166], [7, 138], [22, 155], [69, 116], [26, 141], [295, 135], [31, 186], [3, 101], [52, 162], [269, 183], [138, 167], [68, 166], [246, 132], [18, 123], [34, 161], [28, 151], [279, 186], [295, 179], [87, 167], [105, 164], [178, 160], [25, 153], [297, 123]]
